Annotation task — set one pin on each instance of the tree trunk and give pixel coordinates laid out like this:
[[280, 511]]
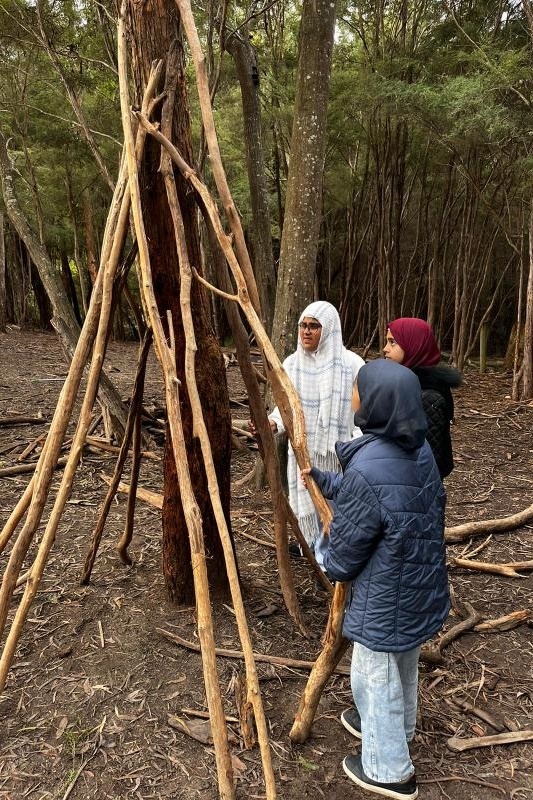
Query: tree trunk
[[92, 258], [303, 204], [155, 33], [3, 319], [263, 259], [527, 359], [69, 287]]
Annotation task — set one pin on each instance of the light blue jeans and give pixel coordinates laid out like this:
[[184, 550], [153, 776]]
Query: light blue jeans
[[385, 687], [320, 547]]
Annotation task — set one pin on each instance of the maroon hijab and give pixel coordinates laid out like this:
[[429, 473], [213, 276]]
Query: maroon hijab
[[416, 339]]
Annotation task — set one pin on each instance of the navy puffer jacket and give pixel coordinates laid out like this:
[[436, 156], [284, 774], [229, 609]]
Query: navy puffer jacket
[[387, 534]]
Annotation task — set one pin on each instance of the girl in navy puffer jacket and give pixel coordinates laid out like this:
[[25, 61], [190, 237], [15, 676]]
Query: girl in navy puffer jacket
[[387, 536]]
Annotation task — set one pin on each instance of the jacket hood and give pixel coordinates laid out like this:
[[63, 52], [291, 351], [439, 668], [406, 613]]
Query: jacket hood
[[391, 404], [438, 376]]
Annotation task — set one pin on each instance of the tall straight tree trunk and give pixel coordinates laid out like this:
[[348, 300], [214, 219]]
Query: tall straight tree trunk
[[243, 55], [3, 318], [527, 360], [154, 32], [303, 204]]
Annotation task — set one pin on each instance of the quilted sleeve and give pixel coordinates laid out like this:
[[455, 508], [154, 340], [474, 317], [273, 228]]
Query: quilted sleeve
[[355, 529]]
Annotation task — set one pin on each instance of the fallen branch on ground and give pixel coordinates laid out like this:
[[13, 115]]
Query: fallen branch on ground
[[509, 569], [267, 659], [461, 532], [101, 444], [7, 421], [495, 723], [20, 469], [459, 745], [432, 654], [506, 623], [152, 498]]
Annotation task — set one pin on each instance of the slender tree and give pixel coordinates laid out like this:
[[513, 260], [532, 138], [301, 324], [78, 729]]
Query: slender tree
[[303, 203]]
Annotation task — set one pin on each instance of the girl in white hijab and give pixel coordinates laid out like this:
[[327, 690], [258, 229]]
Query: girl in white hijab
[[323, 372]]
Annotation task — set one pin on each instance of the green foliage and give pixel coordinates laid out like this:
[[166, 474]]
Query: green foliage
[[420, 99]]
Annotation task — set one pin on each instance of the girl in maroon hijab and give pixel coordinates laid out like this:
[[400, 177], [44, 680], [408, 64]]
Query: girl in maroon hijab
[[410, 341]]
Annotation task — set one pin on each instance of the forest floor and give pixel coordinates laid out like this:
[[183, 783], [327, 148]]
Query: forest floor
[[94, 687]]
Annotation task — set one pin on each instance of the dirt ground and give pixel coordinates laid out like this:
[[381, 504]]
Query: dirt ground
[[94, 686]]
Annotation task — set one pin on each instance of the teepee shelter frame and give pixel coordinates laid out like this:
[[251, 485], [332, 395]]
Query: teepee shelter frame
[[126, 199]]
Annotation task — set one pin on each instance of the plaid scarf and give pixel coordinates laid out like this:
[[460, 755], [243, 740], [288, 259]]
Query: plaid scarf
[[323, 380]]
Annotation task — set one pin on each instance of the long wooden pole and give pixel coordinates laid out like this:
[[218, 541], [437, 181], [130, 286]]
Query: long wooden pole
[[191, 510], [96, 320], [285, 394], [206, 110], [200, 430], [135, 404], [73, 458]]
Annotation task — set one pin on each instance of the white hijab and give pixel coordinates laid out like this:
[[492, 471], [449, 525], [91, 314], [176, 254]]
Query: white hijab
[[323, 380]]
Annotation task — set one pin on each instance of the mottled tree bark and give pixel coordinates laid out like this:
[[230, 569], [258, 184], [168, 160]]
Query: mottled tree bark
[[303, 204], [2, 275], [154, 32], [263, 259]]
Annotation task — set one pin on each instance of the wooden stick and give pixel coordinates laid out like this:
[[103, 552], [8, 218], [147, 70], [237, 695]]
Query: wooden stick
[[31, 447], [206, 109], [480, 713], [279, 661], [266, 443], [22, 469], [5, 422], [94, 330], [136, 400], [459, 745], [333, 649], [16, 515], [191, 510], [432, 654], [505, 623], [509, 569], [253, 693], [195, 712], [125, 540], [50, 452], [152, 498], [111, 448], [461, 532]]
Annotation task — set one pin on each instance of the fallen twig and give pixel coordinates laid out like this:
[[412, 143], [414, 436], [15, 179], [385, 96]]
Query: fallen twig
[[101, 444], [31, 447], [463, 779], [264, 542], [152, 498], [461, 532], [267, 659], [506, 623], [495, 723], [510, 569], [459, 745], [432, 654], [20, 469], [7, 421]]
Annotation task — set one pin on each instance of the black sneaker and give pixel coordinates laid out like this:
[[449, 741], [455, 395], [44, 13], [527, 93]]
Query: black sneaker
[[406, 790], [352, 721], [295, 550]]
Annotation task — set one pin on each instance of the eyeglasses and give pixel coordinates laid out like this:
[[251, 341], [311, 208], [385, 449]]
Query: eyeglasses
[[310, 326]]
